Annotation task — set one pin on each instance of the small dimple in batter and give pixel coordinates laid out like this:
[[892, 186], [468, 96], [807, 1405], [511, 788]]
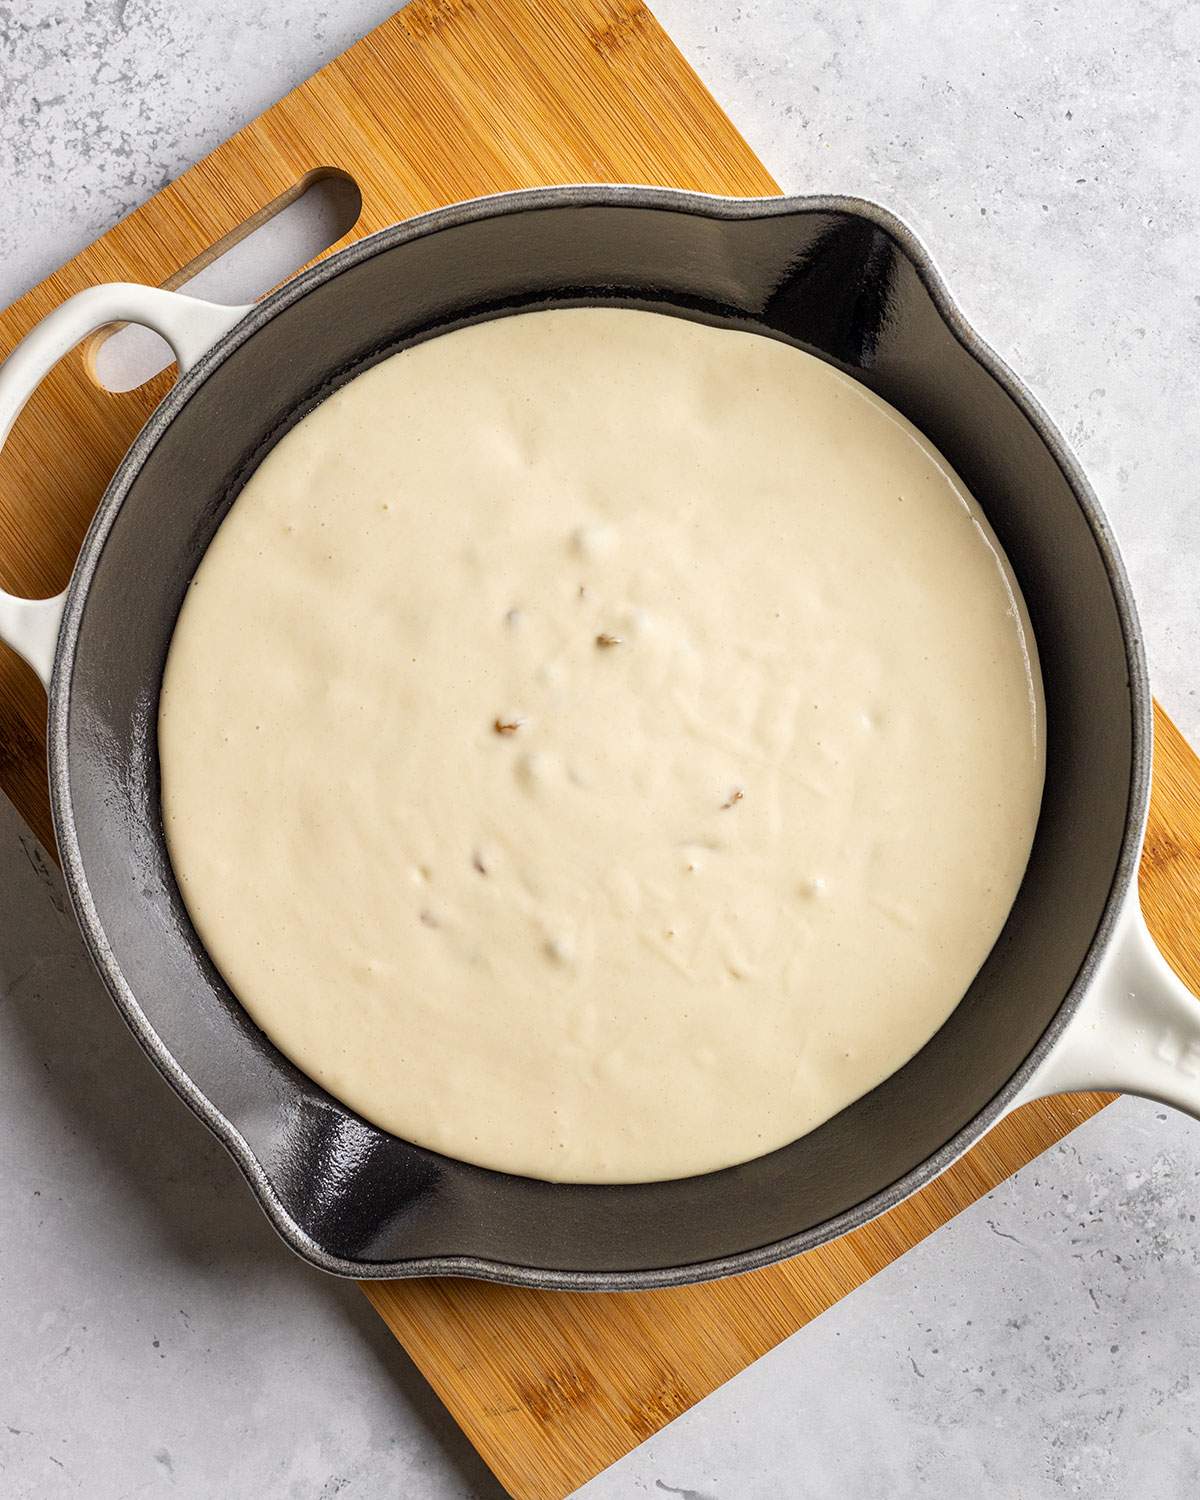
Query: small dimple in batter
[[600, 746]]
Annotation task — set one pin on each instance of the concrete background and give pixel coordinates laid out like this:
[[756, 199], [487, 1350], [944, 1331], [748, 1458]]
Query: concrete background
[[153, 1334]]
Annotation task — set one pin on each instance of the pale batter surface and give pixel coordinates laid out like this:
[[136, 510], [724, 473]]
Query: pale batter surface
[[599, 746]]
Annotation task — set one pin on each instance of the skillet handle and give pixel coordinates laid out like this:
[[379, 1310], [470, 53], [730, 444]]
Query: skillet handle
[[191, 327], [1137, 1030]]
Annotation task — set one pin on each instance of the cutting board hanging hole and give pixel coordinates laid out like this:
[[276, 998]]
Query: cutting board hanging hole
[[257, 255]]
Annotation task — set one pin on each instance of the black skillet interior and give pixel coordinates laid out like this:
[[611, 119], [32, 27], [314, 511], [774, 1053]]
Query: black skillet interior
[[351, 1197]]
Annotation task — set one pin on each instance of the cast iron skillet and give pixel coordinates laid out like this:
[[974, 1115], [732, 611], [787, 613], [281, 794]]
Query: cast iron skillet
[[837, 277]]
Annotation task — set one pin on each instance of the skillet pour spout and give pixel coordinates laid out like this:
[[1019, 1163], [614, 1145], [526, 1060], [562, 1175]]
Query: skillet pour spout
[[1073, 995]]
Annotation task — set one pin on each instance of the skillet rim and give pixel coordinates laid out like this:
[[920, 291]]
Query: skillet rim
[[702, 205]]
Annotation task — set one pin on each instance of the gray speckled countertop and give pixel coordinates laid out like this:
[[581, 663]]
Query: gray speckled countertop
[[153, 1335]]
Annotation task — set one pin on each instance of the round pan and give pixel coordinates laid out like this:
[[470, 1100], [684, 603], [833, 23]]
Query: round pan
[[837, 277]]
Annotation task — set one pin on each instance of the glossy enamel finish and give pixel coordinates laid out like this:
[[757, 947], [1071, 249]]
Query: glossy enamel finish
[[839, 278]]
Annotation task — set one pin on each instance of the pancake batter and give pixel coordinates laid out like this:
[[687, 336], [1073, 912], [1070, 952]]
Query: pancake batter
[[600, 746]]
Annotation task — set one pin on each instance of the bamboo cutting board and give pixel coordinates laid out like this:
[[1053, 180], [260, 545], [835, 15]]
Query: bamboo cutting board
[[447, 100]]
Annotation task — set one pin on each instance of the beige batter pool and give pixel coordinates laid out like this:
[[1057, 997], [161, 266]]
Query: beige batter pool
[[601, 747]]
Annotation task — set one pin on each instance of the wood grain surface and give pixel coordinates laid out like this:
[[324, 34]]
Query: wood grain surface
[[447, 100]]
